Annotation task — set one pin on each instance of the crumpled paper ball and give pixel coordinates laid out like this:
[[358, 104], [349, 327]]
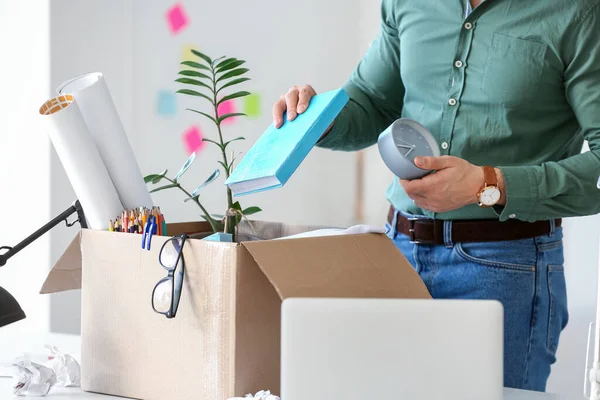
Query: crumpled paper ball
[[66, 368], [32, 379], [262, 395], [35, 379]]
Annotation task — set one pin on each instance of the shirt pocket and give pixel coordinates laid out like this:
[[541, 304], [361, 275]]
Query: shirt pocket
[[513, 70]]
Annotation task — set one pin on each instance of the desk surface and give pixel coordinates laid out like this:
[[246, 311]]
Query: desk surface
[[14, 346]]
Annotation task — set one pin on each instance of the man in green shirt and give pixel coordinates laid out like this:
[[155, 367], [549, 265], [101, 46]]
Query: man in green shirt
[[510, 90]]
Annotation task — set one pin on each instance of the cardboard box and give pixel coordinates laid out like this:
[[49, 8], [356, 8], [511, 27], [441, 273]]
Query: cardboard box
[[225, 340]]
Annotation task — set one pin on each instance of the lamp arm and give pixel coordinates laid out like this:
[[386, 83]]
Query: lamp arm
[[75, 208]]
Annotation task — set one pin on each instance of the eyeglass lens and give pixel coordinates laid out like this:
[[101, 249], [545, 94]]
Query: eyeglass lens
[[170, 253]]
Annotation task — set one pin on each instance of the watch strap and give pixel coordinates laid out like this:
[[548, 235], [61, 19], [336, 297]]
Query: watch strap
[[489, 176]]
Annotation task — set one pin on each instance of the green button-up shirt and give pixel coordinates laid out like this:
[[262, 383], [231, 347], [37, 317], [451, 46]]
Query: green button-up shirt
[[515, 85]]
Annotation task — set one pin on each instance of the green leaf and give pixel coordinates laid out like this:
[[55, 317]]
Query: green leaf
[[172, 185], [202, 56], [230, 65], [155, 178], [233, 73], [160, 177], [213, 142], [226, 61], [218, 216], [210, 179], [233, 82], [224, 166], [187, 72], [189, 81], [151, 177], [205, 114], [217, 60], [233, 157], [225, 116], [251, 210], [217, 224], [194, 93], [233, 140], [236, 206], [185, 166], [233, 96], [194, 64]]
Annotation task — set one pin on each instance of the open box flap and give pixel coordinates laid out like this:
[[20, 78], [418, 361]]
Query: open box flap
[[66, 273], [365, 266]]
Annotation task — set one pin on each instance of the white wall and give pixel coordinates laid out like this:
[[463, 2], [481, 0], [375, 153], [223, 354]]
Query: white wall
[[24, 156], [85, 38], [130, 43], [278, 55]]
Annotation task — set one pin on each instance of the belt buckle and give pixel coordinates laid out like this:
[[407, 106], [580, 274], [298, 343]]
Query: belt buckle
[[411, 230]]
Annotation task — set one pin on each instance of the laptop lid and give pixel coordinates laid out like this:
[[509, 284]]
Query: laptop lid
[[356, 349]]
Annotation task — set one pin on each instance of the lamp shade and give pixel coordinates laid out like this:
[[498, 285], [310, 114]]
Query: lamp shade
[[10, 310]]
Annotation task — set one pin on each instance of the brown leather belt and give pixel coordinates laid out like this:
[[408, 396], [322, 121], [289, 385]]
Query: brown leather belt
[[431, 231]]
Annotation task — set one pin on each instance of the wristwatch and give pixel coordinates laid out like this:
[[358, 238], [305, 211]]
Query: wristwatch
[[490, 193]]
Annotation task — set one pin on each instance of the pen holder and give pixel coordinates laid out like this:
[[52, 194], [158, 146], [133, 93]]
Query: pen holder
[[401, 142]]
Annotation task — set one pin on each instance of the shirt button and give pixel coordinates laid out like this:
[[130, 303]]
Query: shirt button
[[445, 145], [452, 102], [468, 26], [458, 64], [512, 216]]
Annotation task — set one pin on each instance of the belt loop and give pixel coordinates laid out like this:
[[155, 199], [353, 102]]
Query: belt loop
[[395, 224], [552, 227], [448, 234]]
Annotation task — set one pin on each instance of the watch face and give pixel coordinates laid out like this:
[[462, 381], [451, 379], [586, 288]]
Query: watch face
[[490, 196]]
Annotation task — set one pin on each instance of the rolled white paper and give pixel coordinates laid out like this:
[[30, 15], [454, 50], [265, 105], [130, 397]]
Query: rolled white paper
[[103, 122], [81, 161]]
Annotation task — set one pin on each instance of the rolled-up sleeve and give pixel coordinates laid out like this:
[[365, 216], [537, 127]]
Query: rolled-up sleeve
[[568, 187]]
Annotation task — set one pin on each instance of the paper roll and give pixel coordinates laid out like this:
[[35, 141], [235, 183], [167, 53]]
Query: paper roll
[[103, 122], [81, 161]]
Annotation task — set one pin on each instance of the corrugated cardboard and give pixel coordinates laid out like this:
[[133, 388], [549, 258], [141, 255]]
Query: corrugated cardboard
[[225, 340]]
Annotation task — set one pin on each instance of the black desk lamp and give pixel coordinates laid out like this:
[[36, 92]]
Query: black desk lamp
[[10, 310]]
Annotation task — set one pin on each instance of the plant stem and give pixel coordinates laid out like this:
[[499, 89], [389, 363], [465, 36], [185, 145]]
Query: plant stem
[[207, 216], [223, 152]]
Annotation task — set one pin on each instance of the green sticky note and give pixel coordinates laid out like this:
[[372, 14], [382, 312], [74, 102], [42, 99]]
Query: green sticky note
[[252, 105]]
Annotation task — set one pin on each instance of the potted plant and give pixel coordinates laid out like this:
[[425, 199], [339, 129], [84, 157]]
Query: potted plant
[[207, 80]]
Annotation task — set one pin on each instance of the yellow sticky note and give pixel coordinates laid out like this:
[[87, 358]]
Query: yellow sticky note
[[186, 53], [252, 105]]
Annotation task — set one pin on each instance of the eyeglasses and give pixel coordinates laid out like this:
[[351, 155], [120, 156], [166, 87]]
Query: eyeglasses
[[167, 292]]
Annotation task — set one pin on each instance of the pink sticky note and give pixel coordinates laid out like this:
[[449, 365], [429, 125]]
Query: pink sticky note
[[192, 139], [176, 18], [227, 107]]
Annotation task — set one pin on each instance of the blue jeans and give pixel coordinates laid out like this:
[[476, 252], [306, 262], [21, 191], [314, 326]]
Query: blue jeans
[[526, 276]]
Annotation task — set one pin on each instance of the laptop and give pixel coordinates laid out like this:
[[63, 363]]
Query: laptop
[[357, 349]]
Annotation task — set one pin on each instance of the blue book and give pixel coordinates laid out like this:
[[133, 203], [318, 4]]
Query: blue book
[[278, 152]]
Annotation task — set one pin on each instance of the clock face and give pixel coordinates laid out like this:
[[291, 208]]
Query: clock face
[[413, 140], [490, 196]]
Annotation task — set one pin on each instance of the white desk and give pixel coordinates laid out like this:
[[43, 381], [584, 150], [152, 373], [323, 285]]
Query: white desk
[[16, 346]]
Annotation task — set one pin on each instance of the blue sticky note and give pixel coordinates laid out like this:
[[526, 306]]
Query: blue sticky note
[[219, 237], [166, 103]]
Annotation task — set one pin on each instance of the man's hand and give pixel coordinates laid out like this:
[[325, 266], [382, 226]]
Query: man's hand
[[295, 102], [454, 184]]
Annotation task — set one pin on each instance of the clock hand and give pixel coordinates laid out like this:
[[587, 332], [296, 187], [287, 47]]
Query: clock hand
[[401, 144]]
